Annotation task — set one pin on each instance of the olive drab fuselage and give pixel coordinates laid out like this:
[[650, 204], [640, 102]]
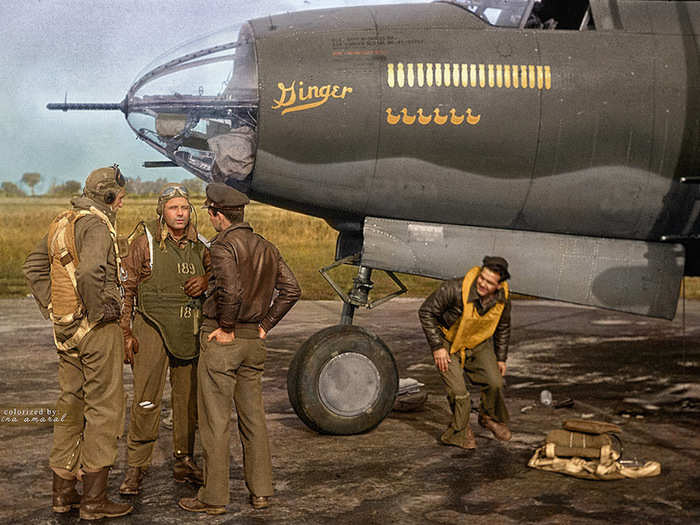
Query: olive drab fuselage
[[427, 113]]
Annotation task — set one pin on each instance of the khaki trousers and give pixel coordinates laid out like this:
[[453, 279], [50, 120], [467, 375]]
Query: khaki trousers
[[92, 397], [482, 369], [232, 374], [151, 364]]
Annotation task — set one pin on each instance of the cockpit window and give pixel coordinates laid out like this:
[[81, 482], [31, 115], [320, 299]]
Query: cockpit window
[[199, 105], [573, 15], [500, 13], [531, 14]]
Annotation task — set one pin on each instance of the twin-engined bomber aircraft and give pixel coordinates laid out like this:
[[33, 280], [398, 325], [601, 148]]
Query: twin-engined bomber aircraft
[[564, 136]]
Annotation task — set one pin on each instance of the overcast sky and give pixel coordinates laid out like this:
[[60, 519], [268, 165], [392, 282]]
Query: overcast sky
[[93, 50]]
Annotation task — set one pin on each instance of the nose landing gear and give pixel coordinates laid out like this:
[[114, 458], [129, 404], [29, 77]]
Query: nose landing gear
[[343, 379]]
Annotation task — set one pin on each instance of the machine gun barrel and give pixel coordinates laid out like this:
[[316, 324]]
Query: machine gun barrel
[[84, 106]]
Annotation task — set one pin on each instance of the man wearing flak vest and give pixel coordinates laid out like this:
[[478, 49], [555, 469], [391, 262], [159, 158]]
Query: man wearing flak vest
[[467, 325]]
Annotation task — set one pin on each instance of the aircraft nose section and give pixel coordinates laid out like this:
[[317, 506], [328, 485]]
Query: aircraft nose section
[[198, 105]]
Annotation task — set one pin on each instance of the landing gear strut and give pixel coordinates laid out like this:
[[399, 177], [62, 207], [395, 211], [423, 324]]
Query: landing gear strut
[[343, 379]]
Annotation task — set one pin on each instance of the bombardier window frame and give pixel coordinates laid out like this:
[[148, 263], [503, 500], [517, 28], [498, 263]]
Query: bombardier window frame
[[169, 66]]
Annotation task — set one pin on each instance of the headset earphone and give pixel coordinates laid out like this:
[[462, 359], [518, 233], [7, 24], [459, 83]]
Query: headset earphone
[[111, 195]]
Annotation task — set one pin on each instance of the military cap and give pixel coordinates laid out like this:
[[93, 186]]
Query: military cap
[[224, 197], [497, 264], [105, 184]]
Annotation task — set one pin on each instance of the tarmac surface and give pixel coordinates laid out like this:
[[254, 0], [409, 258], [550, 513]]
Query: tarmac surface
[[639, 373]]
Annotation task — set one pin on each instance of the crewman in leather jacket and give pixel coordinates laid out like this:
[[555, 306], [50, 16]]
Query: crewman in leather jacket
[[240, 309], [467, 325]]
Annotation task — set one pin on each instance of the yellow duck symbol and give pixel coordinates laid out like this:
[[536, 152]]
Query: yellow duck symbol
[[391, 118], [422, 119], [439, 119], [454, 119], [408, 119], [473, 120]]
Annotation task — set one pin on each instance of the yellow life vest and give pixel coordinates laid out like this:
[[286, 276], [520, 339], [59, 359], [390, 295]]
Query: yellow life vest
[[473, 329], [66, 306]]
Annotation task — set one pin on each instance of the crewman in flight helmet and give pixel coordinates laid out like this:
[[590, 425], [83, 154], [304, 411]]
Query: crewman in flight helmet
[[167, 274], [74, 275]]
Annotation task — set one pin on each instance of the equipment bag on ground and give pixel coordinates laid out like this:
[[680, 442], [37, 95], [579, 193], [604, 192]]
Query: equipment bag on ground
[[590, 450]]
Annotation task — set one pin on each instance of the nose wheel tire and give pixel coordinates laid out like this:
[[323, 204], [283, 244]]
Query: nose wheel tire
[[343, 380]]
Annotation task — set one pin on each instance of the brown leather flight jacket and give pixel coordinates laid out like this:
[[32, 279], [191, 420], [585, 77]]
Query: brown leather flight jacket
[[444, 307], [246, 271]]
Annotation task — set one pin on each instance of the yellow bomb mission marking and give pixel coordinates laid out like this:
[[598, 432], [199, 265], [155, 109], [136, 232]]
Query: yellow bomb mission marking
[[298, 97], [429, 74]]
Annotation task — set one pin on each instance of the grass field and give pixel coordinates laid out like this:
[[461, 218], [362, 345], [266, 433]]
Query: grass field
[[306, 243]]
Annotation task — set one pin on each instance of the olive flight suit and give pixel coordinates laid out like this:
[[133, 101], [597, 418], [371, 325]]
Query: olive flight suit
[[166, 325], [90, 373], [482, 370]]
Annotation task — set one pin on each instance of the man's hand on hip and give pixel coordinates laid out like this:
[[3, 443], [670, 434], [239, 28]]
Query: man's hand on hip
[[221, 336], [442, 359]]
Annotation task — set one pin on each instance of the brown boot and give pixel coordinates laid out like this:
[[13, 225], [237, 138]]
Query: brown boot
[[194, 505], [463, 438], [65, 497], [185, 469], [500, 430], [259, 502], [95, 504], [132, 480]]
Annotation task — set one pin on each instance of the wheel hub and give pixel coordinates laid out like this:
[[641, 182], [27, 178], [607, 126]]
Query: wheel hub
[[349, 384]]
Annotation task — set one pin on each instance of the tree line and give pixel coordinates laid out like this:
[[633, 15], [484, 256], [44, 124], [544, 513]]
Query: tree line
[[134, 186]]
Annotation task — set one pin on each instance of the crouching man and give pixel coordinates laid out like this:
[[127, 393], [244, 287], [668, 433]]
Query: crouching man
[[467, 325]]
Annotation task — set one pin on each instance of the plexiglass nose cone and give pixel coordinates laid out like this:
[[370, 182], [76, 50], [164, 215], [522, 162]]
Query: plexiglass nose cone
[[198, 105]]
